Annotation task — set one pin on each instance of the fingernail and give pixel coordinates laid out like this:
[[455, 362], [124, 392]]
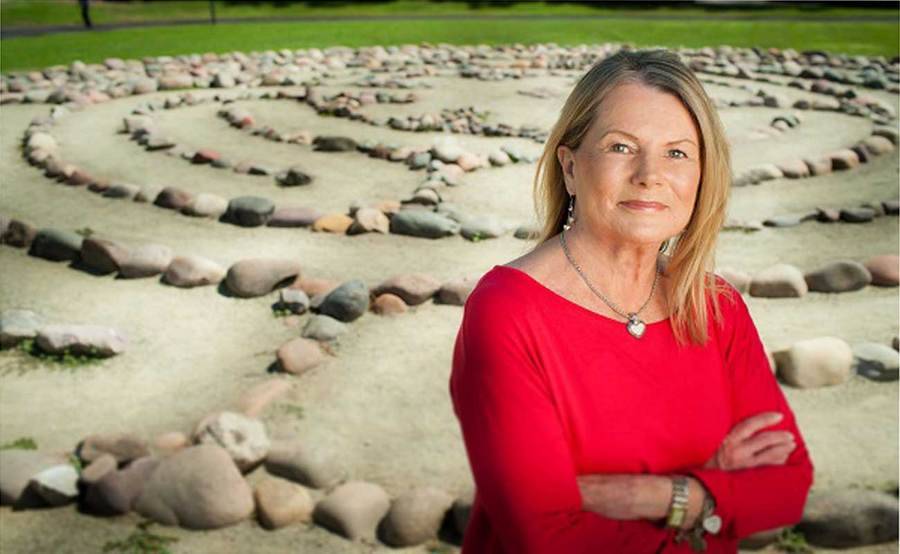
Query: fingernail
[[778, 417]]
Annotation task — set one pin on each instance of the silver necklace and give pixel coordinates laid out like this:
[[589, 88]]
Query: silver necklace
[[634, 324]]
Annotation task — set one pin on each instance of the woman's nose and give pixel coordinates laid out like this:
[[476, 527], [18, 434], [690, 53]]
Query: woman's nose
[[648, 170]]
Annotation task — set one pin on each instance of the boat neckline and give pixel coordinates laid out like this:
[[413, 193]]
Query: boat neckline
[[576, 305]]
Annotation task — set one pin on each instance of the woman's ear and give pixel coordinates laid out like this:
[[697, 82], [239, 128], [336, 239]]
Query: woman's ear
[[566, 158]]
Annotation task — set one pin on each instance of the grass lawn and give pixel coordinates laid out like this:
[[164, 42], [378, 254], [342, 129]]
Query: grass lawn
[[871, 38]]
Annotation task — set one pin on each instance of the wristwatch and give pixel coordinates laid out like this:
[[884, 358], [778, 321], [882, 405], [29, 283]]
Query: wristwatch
[[678, 507]]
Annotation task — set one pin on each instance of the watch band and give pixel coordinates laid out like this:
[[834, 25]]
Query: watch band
[[678, 507]]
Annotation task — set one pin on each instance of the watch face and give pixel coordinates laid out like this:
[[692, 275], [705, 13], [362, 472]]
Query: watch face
[[713, 524]]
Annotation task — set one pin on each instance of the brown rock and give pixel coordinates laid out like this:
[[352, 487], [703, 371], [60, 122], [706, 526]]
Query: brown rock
[[300, 355], [280, 503], [413, 288], [389, 304], [103, 256], [124, 447], [18, 234], [255, 400], [173, 198], [885, 270], [333, 223]]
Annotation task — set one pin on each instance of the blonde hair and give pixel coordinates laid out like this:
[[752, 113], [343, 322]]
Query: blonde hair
[[691, 263]]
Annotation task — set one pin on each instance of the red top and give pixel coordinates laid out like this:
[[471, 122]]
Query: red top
[[546, 389]]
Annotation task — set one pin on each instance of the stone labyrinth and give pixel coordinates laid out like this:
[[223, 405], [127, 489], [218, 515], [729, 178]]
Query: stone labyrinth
[[257, 263]]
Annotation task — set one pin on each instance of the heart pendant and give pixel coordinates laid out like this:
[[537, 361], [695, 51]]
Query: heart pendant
[[636, 327]]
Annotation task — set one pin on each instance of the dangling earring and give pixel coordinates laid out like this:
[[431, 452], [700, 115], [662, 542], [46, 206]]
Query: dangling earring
[[664, 246], [570, 220]]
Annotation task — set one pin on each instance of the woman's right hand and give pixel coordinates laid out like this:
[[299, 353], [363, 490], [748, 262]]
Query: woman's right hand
[[744, 447]]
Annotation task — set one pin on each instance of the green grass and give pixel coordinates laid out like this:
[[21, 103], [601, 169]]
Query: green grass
[[66, 358], [37, 52], [23, 13], [21, 443], [141, 541]]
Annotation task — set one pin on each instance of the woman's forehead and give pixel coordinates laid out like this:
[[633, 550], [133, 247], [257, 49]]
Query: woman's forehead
[[645, 112]]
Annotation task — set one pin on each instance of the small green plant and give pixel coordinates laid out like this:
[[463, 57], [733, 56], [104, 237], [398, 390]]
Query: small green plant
[[76, 463], [86, 232], [141, 541], [435, 547], [281, 312], [21, 443], [791, 540], [66, 358], [293, 409], [477, 237]]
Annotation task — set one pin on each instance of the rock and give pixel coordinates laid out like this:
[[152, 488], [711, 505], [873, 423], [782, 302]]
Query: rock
[[173, 199], [116, 492], [885, 270], [244, 438], [123, 447], [260, 276], [294, 300], [333, 223], [755, 175], [347, 302], [147, 193], [299, 355], [849, 518], [353, 510], [470, 162], [818, 166], [334, 144], [891, 207], [92, 340], [57, 485], [206, 205], [447, 149], [17, 467], [784, 220], [413, 288], [146, 261], [254, 402], [18, 325], [875, 361], [827, 215], [462, 509], [844, 159], [368, 220], [280, 503], [292, 460], [205, 156], [876, 145], [737, 279], [223, 80], [294, 217], [527, 232], [818, 362], [839, 276], [415, 517], [482, 227], [18, 234], [293, 177], [857, 215], [778, 281], [323, 328], [193, 271], [198, 488], [313, 286], [794, 169], [457, 291], [96, 470], [250, 211], [56, 245], [424, 196], [425, 224], [172, 441], [102, 256], [499, 158], [389, 304]]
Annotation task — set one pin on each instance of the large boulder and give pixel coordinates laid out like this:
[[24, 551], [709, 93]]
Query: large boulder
[[198, 487]]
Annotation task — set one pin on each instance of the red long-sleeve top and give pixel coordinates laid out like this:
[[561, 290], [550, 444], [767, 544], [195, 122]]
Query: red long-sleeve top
[[546, 390]]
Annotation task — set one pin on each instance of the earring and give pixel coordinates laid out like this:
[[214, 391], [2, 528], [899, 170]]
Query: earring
[[664, 246], [570, 220]]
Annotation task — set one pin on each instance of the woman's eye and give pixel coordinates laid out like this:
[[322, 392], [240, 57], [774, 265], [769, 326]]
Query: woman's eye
[[678, 153], [615, 147]]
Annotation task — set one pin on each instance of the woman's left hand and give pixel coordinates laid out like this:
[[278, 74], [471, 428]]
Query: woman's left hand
[[624, 496]]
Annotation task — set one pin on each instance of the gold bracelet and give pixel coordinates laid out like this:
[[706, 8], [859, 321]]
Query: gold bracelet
[[678, 507]]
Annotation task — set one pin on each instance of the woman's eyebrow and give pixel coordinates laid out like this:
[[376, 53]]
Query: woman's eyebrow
[[634, 138]]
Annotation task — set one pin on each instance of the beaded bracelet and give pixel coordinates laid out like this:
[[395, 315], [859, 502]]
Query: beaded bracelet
[[706, 522]]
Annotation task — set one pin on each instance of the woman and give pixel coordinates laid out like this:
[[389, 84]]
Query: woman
[[613, 399]]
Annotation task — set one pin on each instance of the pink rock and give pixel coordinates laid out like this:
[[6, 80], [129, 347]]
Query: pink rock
[[885, 270]]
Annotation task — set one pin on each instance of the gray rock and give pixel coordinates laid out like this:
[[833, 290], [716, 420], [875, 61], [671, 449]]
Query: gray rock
[[147, 260], [738, 279], [122, 190], [790, 220], [293, 177], [116, 492], [92, 340], [56, 245], [347, 302], [294, 461], [102, 256], [849, 518], [415, 517], [457, 291], [294, 217], [294, 300], [57, 485], [413, 288], [878, 362], [425, 224], [193, 271], [206, 205], [812, 363], [857, 215], [527, 232], [17, 467], [353, 510], [323, 328], [250, 211], [839, 276], [779, 281], [334, 144], [18, 325], [123, 447], [260, 276], [482, 227], [447, 149], [198, 487]]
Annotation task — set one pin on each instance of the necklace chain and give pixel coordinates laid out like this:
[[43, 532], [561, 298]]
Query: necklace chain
[[632, 316]]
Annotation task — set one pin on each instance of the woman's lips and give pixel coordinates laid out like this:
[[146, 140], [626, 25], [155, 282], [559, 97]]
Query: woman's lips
[[641, 206]]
